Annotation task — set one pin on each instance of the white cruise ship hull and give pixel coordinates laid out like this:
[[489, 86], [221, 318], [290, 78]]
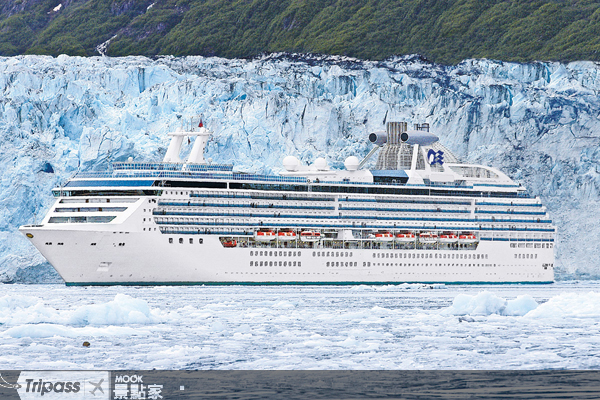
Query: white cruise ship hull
[[144, 258]]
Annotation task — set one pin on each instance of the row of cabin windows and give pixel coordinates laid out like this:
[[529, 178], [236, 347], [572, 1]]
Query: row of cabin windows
[[191, 241], [332, 254], [430, 255], [275, 253], [526, 256], [274, 263], [176, 193], [432, 265], [532, 245], [343, 264]]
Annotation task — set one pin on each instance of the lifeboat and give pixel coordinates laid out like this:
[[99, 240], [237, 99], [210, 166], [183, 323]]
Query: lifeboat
[[310, 236], [448, 237], [286, 236], [405, 237], [229, 243], [428, 237], [467, 238], [383, 237], [264, 235]]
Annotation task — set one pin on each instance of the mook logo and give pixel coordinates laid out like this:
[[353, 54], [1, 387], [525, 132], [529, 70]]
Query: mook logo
[[128, 387], [435, 157], [72, 385]]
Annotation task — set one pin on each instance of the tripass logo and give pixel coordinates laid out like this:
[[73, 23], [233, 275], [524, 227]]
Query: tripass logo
[[70, 385], [46, 387]]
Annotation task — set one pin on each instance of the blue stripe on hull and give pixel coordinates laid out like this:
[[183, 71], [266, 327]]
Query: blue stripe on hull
[[294, 283]]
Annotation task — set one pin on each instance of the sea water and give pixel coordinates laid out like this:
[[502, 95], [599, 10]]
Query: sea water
[[407, 326]]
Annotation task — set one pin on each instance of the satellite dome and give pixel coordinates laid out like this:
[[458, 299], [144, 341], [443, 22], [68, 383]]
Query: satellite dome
[[320, 164], [291, 163], [351, 163]]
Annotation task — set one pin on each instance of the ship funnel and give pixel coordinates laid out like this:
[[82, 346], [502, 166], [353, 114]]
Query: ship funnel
[[378, 138], [395, 131], [194, 129], [197, 153], [174, 147], [422, 138]]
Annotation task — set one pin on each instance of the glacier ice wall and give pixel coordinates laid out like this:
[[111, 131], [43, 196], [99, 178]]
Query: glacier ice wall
[[538, 122]]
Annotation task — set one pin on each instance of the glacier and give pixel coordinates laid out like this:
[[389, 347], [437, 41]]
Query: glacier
[[538, 122]]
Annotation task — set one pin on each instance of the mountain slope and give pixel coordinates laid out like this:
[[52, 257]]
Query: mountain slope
[[444, 31]]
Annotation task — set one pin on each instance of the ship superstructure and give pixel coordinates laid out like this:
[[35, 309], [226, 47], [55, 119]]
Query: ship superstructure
[[419, 216]]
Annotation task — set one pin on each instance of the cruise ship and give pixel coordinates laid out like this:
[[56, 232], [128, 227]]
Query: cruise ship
[[419, 216]]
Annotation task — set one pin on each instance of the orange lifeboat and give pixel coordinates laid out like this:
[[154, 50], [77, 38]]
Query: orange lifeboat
[[428, 237], [383, 236], [310, 236], [405, 237], [230, 243], [467, 238], [286, 235], [448, 237], [264, 235]]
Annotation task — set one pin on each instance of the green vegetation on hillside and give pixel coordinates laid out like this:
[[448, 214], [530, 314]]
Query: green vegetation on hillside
[[444, 31]]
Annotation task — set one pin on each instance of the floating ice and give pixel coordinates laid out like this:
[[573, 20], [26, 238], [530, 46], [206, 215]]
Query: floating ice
[[569, 305], [123, 310], [52, 330], [329, 327], [402, 286], [19, 309], [566, 305], [522, 305], [487, 303]]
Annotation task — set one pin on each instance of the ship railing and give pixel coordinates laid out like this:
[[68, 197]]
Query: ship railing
[[485, 232], [351, 217], [235, 195], [242, 205], [144, 166], [312, 186], [249, 232]]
